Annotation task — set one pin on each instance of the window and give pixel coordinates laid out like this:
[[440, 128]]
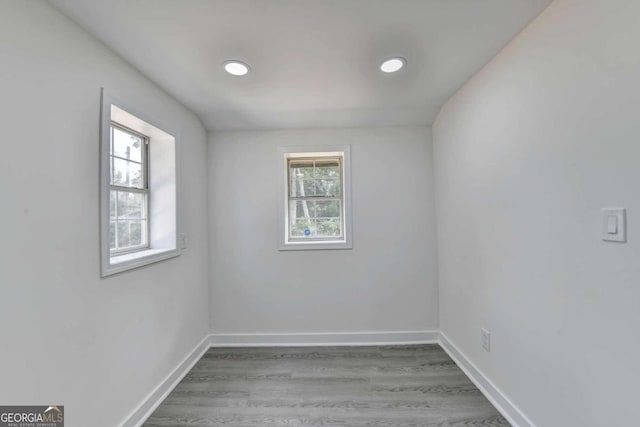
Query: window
[[315, 199], [128, 190], [316, 211], [138, 184]]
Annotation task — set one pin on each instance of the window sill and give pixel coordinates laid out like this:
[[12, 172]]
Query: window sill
[[302, 246], [120, 263]]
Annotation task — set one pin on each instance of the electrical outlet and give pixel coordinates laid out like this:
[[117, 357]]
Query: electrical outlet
[[183, 241], [486, 339]]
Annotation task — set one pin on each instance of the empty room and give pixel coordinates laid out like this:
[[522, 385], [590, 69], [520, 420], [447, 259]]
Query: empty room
[[390, 213]]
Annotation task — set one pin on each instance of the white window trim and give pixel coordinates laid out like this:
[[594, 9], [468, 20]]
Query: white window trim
[[117, 263], [310, 151]]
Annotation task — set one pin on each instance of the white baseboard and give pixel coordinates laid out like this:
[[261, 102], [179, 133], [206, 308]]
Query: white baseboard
[[503, 404], [324, 339], [155, 398]]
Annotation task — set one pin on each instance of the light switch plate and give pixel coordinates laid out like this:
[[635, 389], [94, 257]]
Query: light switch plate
[[614, 225]]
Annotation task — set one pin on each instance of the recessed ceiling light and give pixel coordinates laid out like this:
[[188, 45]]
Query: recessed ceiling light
[[236, 68], [392, 65]]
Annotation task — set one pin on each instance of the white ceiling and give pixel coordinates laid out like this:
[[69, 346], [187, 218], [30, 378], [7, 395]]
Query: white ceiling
[[314, 63]]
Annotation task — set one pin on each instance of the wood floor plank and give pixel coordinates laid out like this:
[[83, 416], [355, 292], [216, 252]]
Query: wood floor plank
[[394, 386]]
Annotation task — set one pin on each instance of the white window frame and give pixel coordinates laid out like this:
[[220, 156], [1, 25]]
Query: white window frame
[[285, 154], [163, 228]]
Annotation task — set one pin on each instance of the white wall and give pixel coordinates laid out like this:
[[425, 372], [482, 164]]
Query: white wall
[[387, 282], [67, 337], [526, 155]]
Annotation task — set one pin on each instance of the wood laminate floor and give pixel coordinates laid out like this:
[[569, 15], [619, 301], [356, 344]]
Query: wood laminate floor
[[378, 386]]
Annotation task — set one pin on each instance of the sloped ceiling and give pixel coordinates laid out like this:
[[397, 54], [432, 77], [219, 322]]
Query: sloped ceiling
[[314, 63]]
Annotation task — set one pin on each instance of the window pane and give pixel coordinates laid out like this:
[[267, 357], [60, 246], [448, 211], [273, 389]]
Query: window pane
[[127, 145], [300, 170], [327, 168], [300, 218], [112, 235], [329, 187], [124, 239], [135, 233], [328, 227], [314, 218], [314, 178], [326, 208], [302, 228], [131, 205], [131, 233], [301, 209], [302, 188], [112, 204], [127, 174]]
